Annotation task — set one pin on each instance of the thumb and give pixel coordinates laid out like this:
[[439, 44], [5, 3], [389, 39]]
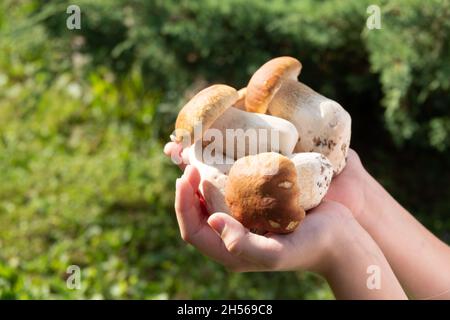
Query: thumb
[[239, 241]]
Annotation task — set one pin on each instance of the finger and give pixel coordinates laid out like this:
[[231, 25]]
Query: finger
[[193, 176], [192, 222], [168, 148], [194, 179], [240, 242], [174, 151]]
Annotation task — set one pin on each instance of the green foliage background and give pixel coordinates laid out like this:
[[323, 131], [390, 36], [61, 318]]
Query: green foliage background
[[84, 115]]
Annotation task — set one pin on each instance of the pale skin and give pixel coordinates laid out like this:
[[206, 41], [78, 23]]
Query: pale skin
[[357, 226], [419, 259]]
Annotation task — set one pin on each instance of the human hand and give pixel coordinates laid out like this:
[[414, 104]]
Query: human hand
[[224, 239], [348, 188], [329, 241]]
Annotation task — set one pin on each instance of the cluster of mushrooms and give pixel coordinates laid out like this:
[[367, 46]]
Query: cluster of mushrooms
[[266, 184]]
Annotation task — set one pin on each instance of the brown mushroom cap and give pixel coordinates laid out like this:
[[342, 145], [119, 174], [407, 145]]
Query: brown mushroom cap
[[266, 81], [262, 193], [202, 110]]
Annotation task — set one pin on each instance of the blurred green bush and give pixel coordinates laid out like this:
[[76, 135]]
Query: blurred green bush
[[177, 42], [84, 114]]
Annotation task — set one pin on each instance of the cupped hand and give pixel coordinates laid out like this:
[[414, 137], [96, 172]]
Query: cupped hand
[[347, 188], [228, 242]]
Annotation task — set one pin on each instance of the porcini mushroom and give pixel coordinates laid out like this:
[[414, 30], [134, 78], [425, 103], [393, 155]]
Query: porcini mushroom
[[202, 110], [249, 138], [245, 133], [234, 132], [323, 125], [314, 174], [262, 193], [266, 81]]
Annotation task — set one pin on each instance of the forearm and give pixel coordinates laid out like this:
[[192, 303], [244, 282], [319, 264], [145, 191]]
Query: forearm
[[359, 270], [420, 260]]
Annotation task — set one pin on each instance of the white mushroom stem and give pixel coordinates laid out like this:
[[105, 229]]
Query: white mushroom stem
[[245, 133], [213, 173], [314, 174], [323, 125]]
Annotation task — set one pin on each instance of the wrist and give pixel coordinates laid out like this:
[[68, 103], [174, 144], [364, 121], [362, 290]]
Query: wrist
[[341, 249], [354, 254], [375, 198], [337, 240]]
